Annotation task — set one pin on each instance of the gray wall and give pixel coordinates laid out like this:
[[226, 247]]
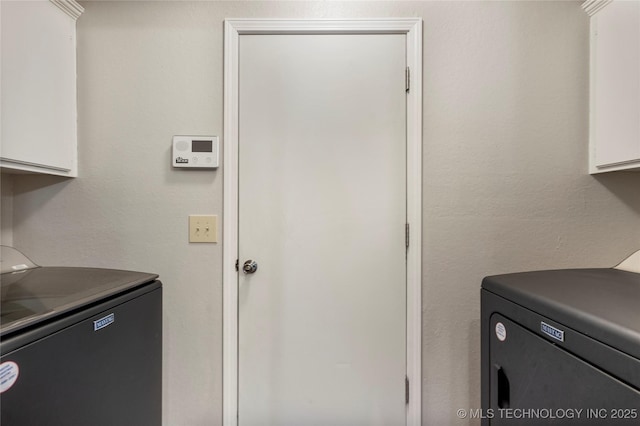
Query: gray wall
[[6, 210], [505, 171]]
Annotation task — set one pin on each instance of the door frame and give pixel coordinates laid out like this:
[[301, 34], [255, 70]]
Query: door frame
[[233, 28]]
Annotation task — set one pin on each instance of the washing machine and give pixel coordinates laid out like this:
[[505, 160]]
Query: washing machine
[[79, 346]]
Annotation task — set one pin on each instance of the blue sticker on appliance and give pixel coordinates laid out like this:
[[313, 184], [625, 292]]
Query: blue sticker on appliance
[[103, 322], [551, 331]]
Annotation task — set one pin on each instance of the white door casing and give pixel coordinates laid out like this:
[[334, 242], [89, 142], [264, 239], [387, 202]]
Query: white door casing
[[410, 29]]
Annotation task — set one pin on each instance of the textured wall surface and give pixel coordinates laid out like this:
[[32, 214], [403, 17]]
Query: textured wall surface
[[6, 210], [505, 171]]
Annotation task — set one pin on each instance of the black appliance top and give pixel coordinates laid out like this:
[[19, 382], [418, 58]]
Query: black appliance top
[[34, 295], [601, 303]]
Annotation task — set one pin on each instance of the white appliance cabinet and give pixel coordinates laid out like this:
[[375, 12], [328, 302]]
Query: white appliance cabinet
[[38, 91], [614, 133]]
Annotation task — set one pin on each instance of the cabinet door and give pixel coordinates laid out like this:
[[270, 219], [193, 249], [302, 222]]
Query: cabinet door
[[616, 85], [38, 87]]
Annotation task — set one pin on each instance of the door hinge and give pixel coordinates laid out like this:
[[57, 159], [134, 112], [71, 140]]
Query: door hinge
[[237, 265], [406, 389], [407, 80], [406, 235]]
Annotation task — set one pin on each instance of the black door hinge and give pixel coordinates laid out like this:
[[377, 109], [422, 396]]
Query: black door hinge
[[407, 80], [406, 235], [406, 389]]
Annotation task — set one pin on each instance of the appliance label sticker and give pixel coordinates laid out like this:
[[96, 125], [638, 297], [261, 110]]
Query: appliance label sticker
[[8, 375], [501, 332], [552, 331], [103, 322]]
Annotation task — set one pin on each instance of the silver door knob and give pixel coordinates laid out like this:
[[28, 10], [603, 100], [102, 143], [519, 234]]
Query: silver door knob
[[250, 266]]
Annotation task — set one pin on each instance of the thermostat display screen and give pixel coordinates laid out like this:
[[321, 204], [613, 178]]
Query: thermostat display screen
[[202, 146]]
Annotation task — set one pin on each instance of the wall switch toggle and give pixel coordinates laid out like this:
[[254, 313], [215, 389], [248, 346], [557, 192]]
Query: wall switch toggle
[[203, 229]]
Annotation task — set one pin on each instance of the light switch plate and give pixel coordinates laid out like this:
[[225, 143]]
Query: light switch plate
[[203, 229]]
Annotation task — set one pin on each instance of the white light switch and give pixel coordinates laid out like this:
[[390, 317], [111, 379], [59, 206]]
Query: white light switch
[[203, 229]]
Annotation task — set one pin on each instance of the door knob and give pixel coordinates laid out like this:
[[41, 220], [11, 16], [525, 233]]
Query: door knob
[[250, 266]]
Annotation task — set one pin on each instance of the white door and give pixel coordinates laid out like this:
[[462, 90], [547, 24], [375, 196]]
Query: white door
[[322, 211]]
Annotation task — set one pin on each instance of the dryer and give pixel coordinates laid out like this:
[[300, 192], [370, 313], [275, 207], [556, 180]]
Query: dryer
[[561, 347]]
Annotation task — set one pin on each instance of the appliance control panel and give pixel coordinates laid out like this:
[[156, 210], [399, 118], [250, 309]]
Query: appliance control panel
[[199, 152]]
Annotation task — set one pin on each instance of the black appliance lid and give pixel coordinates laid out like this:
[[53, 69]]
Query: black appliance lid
[[601, 303], [37, 294]]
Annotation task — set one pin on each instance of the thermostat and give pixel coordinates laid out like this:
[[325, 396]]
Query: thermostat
[[195, 152]]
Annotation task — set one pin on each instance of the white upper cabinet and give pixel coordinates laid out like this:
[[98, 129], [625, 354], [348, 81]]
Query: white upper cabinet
[[615, 85], [39, 126]]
